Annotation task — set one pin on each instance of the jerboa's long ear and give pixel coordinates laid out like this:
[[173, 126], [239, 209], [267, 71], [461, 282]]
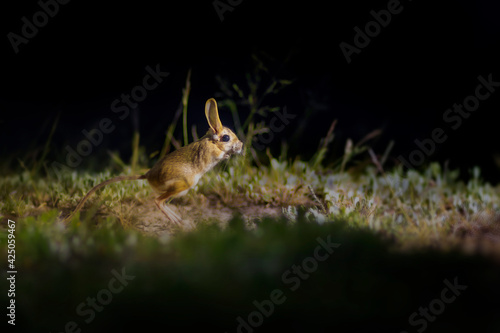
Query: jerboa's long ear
[[213, 115]]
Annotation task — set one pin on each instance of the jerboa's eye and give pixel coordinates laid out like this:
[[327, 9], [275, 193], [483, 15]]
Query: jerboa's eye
[[225, 138]]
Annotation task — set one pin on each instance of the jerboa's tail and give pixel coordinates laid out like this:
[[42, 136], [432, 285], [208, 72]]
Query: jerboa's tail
[[95, 188]]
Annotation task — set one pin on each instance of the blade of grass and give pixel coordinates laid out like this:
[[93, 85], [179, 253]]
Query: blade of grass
[[185, 97], [46, 148], [194, 133], [369, 136], [323, 148], [387, 152], [135, 140], [170, 132], [135, 151], [347, 154], [116, 158]]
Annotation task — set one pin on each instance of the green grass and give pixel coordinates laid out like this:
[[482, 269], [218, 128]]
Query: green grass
[[417, 208]]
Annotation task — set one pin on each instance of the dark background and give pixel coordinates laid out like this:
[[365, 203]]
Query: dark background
[[89, 53]]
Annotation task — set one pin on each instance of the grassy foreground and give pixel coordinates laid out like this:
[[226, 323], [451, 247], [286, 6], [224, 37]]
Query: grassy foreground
[[432, 208]]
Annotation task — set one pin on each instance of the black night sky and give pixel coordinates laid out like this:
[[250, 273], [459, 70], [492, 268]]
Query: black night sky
[[408, 72]]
